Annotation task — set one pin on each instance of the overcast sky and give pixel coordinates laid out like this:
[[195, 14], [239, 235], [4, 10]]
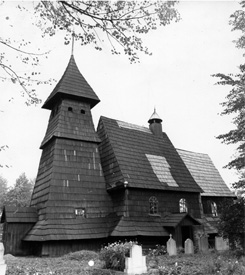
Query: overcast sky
[[176, 80]]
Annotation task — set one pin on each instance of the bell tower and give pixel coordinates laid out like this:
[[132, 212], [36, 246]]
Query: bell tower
[[70, 186]]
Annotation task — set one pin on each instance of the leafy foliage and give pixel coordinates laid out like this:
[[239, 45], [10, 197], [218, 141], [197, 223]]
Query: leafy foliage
[[198, 264], [232, 222], [114, 255], [235, 104], [121, 23], [20, 194], [158, 250], [238, 23], [3, 191]]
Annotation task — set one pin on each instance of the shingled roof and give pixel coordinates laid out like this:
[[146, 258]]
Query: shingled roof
[[12, 214], [73, 85], [139, 226], [67, 229], [205, 174], [132, 153], [175, 219]]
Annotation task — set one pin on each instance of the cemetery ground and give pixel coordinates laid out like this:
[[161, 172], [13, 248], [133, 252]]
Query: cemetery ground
[[225, 263]]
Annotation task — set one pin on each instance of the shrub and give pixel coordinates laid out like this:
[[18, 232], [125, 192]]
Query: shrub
[[83, 255], [158, 251], [114, 255]]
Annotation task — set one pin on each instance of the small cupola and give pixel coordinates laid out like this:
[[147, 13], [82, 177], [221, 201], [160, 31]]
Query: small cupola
[[155, 124]]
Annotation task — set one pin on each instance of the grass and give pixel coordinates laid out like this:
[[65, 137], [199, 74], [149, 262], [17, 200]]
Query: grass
[[77, 263]]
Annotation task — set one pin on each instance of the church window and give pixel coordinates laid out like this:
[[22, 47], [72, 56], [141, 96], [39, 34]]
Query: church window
[[153, 205], [80, 212], [214, 209], [70, 109], [183, 206], [83, 112]]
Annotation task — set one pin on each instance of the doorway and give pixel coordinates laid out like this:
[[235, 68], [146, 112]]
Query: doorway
[[187, 233]]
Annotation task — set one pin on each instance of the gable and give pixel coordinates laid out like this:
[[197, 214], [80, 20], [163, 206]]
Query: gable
[[132, 154]]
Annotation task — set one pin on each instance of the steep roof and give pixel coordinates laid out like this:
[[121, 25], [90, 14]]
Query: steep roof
[[12, 214], [132, 153], [205, 174], [72, 85], [139, 226], [67, 229]]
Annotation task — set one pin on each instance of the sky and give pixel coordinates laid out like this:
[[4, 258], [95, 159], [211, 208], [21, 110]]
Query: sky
[[176, 80]]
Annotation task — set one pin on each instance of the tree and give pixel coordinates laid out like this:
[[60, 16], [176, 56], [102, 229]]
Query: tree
[[120, 23], [235, 105], [20, 194], [3, 192], [232, 222], [235, 102], [232, 217]]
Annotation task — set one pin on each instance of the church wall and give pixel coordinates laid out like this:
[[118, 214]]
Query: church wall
[[138, 202]]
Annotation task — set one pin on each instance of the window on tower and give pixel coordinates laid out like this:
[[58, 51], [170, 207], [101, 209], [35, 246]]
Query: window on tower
[[70, 109]]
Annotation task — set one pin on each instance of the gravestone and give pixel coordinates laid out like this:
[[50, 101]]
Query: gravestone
[[136, 263], [203, 243], [221, 244], [171, 246], [3, 266], [189, 247]]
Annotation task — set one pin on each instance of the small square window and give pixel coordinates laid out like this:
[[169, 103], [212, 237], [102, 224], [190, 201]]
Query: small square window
[[80, 212]]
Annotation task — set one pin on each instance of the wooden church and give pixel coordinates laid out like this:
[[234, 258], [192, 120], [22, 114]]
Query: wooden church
[[122, 181]]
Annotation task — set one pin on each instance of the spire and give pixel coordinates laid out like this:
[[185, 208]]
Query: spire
[[72, 85], [72, 43], [155, 124], [154, 117]]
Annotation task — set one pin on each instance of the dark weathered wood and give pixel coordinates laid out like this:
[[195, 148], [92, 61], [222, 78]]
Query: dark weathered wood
[[94, 187]]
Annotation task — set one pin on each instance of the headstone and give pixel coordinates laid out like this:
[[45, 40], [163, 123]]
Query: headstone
[[136, 263], [221, 244], [171, 246], [203, 243], [3, 266], [189, 247]]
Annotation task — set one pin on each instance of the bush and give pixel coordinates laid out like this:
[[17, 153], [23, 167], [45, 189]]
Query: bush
[[158, 251], [114, 255], [83, 255]]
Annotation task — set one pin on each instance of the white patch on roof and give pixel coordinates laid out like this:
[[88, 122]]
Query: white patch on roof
[[161, 168], [130, 126]]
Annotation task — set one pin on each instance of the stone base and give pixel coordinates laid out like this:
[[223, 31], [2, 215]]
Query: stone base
[[3, 268]]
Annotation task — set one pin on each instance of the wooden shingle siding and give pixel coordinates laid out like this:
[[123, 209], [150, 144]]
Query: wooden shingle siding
[[128, 149], [168, 202], [73, 85], [70, 177], [205, 174], [71, 124]]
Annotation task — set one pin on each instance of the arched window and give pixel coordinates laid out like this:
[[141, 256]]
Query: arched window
[[69, 109], [214, 209], [153, 205], [183, 206], [82, 112]]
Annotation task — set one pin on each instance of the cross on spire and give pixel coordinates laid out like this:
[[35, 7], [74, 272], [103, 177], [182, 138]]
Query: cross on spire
[[72, 41]]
